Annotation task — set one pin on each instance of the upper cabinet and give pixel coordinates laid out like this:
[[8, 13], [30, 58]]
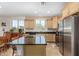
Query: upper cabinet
[[29, 24], [55, 22], [52, 23], [49, 23], [70, 9]]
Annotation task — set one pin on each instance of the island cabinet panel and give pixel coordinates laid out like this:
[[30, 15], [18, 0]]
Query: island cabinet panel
[[35, 50]]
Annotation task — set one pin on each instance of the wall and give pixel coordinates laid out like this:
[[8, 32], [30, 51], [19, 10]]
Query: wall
[[8, 21], [49, 23], [8, 24]]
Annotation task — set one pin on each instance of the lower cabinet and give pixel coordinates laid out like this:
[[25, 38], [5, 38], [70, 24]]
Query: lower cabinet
[[50, 37]]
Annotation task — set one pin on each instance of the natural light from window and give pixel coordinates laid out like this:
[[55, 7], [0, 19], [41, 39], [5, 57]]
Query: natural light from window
[[17, 23], [40, 24]]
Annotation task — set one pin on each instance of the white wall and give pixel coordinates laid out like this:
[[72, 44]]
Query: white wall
[[8, 21]]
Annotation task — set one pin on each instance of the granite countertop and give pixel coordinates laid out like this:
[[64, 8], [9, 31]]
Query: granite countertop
[[38, 40], [40, 31]]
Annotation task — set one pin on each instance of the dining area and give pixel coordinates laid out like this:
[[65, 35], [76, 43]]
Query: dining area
[[4, 40]]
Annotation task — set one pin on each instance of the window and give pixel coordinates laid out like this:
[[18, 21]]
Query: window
[[14, 23], [21, 23], [40, 24], [18, 23]]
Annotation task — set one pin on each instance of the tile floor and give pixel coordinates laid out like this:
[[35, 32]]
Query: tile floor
[[9, 52], [52, 50]]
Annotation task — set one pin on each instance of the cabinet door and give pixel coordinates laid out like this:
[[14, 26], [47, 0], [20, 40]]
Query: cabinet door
[[26, 24], [29, 24], [50, 37], [55, 25], [49, 24]]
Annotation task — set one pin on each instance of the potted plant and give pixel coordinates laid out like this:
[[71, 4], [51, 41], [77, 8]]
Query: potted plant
[[21, 30], [13, 30]]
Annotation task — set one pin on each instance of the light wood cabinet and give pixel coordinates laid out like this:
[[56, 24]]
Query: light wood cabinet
[[29, 24], [55, 22], [70, 9], [50, 37], [52, 23], [49, 24]]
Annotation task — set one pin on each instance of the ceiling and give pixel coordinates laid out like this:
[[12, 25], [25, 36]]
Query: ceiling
[[31, 8]]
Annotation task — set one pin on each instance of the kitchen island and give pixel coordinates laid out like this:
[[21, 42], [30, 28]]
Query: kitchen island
[[37, 48]]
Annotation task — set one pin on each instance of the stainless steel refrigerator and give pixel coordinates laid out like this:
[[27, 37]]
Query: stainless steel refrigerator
[[71, 36], [60, 38]]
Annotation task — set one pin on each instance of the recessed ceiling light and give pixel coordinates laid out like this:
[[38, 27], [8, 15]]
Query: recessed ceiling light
[[0, 6]]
